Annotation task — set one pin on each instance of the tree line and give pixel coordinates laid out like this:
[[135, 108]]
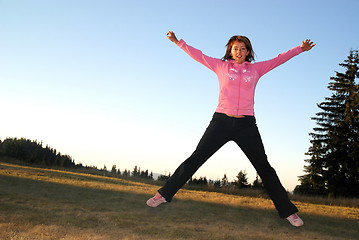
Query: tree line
[[33, 152], [240, 182]]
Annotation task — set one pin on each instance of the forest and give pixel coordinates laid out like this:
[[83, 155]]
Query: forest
[[32, 152]]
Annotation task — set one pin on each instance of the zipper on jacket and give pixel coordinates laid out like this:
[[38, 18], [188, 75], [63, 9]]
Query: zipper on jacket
[[239, 87]]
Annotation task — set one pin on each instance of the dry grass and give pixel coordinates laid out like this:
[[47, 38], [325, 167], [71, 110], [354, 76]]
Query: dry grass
[[38, 203]]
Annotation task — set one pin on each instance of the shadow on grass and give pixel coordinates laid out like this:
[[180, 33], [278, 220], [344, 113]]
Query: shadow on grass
[[110, 212]]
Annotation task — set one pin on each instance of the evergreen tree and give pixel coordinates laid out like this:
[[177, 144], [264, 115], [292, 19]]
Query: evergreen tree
[[144, 174], [217, 183], [242, 180], [126, 173], [136, 172], [202, 181], [257, 183], [224, 181], [333, 168], [113, 170], [163, 177]]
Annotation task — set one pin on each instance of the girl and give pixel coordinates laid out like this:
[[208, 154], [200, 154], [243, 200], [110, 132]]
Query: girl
[[234, 119]]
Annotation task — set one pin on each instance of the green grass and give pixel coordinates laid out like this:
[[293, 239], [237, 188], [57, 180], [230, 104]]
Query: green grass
[[38, 203]]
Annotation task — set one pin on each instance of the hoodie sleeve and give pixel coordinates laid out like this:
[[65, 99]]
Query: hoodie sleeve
[[266, 66], [209, 62]]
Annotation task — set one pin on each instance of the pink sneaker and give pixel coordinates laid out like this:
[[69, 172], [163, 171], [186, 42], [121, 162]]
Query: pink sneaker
[[295, 220], [156, 200]]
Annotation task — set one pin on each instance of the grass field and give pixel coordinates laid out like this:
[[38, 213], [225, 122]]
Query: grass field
[[37, 203]]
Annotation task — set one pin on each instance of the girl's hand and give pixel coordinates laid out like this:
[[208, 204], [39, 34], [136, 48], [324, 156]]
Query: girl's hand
[[307, 45], [171, 36]]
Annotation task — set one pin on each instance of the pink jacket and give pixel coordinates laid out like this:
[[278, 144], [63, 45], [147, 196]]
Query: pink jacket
[[237, 82]]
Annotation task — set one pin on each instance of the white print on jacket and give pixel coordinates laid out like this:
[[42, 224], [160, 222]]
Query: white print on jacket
[[247, 76], [233, 75]]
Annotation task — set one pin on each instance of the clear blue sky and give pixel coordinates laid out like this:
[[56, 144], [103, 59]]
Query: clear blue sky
[[98, 80]]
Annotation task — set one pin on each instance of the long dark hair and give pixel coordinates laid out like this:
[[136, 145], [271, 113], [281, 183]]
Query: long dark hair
[[244, 40]]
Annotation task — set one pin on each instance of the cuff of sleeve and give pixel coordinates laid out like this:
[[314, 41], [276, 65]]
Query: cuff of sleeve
[[180, 42], [299, 49]]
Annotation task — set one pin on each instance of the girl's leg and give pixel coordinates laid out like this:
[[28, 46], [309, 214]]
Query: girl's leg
[[249, 140], [213, 139]]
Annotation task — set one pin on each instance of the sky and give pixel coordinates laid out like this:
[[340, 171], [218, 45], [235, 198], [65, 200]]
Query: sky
[[99, 80]]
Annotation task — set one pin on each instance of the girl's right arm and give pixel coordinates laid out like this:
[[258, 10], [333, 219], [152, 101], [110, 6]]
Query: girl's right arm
[[211, 63]]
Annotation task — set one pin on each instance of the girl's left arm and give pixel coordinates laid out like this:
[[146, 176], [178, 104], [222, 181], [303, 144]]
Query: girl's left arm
[[266, 66]]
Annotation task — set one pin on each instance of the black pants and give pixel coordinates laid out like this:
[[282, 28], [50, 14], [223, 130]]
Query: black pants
[[244, 132]]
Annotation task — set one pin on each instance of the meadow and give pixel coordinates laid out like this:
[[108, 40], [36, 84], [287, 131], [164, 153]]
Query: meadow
[[38, 203]]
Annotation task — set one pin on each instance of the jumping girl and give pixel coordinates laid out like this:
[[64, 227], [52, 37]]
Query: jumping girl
[[234, 119]]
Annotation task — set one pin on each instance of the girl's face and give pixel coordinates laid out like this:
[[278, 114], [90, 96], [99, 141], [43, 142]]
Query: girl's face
[[239, 52]]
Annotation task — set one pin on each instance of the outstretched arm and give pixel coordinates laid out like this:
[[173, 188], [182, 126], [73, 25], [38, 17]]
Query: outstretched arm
[[266, 66], [171, 36], [211, 63], [307, 45]]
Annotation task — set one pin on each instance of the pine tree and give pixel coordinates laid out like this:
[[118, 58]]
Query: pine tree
[[333, 168], [242, 180], [257, 183], [113, 170], [224, 181], [136, 172], [126, 173]]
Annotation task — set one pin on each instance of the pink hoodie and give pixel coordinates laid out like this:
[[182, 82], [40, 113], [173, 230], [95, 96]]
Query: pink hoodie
[[237, 82]]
